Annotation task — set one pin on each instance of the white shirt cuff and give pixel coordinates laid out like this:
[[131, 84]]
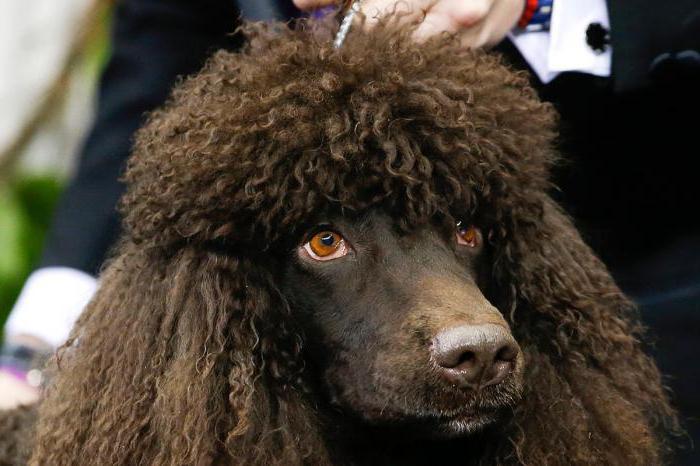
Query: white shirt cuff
[[564, 47], [50, 303]]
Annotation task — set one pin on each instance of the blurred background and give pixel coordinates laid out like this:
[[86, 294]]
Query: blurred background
[[55, 51]]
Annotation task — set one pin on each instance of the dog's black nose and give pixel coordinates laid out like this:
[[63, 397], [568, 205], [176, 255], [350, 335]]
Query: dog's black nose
[[475, 356]]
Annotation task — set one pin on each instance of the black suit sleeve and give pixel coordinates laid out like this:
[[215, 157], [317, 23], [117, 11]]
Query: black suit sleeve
[[153, 42]]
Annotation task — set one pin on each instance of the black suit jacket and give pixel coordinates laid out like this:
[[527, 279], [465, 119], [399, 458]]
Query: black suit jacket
[[654, 42], [631, 146], [630, 143]]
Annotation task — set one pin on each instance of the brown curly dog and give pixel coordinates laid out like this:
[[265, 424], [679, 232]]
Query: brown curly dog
[[349, 257]]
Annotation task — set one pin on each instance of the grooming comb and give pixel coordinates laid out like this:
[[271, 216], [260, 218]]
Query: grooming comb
[[350, 7]]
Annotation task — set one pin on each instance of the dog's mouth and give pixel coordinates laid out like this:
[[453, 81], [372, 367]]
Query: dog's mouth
[[447, 425], [464, 423], [426, 406], [450, 415]]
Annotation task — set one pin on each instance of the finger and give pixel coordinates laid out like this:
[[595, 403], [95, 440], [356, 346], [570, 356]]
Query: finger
[[14, 393], [404, 11], [474, 37], [314, 4], [467, 13], [453, 16], [502, 18], [434, 24]]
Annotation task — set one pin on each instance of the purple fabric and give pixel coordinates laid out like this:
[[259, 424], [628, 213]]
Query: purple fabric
[[323, 12]]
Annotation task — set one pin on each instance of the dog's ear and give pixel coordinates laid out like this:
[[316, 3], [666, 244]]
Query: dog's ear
[[588, 381], [178, 360]]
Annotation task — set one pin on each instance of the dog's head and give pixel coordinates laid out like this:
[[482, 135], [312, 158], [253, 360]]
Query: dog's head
[[400, 167], [398, 329], [364, 231]]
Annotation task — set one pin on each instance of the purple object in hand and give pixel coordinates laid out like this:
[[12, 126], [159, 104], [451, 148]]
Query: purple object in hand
[[323, 12]]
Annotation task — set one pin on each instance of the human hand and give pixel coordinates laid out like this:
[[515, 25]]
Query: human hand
[[14, 389], [14, 392], [477, 23]]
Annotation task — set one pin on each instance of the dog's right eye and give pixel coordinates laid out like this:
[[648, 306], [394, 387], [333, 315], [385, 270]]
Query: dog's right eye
[[326, 245]]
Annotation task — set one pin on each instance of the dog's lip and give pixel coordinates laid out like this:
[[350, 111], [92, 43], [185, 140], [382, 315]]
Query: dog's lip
[[488, 400], [476, 412], [465, 412], [444, 424], [464, 425], [439, 415], [459, 422]]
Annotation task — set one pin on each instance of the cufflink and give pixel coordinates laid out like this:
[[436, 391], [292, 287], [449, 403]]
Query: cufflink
[[598, 37]]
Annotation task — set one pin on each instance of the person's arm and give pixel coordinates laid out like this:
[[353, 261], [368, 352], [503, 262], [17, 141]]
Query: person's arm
[[153, 43], [62, 290]]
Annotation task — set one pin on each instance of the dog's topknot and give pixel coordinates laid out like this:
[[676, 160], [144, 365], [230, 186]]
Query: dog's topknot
[[260, 140]]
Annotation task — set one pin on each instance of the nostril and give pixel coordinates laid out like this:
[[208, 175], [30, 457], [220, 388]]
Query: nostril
[[497, 373], [466, 358], [455, 358], [503, 364], [507, 353]]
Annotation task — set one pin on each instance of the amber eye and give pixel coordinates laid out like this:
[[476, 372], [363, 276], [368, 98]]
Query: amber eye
[[468, 235], [326, 245]]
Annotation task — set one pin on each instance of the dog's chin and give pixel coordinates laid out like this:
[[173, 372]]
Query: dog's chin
[[464, 424], [441, 414], [463, 420], [433, 424]]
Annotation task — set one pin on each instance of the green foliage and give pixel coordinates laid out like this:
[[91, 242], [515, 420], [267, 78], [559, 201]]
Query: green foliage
[[26, 206]]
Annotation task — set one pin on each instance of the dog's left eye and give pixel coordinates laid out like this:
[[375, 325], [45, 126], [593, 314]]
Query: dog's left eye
[[468, 235], [326, 245]]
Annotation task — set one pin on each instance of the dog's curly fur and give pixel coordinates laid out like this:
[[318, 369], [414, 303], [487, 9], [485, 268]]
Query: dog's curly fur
[[189, 353]]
